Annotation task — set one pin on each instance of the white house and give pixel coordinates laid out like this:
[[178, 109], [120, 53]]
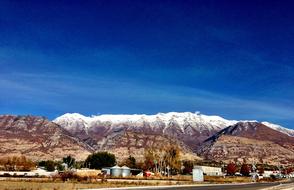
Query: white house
[[268, 173], [210, 171]]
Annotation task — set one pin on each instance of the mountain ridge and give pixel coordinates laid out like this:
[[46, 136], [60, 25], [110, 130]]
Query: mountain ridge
[[211, 137], [216, 121], [192, 128], [38, 138], [249, 142]]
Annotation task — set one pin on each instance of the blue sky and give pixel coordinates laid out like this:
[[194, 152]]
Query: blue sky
[[221, 57]]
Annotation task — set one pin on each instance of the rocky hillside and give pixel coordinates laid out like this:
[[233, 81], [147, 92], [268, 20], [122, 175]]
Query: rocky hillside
[[38, 138], [250, 141], [125, 143], [189, 128]]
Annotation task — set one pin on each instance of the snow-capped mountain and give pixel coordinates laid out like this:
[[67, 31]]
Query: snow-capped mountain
[[126, 135], [191, 128], [276, 127], [185, 122], [129, 132], [72, 121]]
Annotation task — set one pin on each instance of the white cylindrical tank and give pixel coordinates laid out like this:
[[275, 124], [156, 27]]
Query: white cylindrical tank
[[126, 171], [115, 171], [198, 174]]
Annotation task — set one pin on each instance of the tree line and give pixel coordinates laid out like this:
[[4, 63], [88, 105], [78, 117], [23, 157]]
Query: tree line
[[16, 163], [163, 160]]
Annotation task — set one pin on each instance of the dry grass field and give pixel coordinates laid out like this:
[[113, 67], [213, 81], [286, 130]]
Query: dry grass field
[[28, 185], [72, 185], [49, 184], [227, 179]]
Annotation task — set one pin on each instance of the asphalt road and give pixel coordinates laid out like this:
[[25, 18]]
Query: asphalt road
[[253, 186]]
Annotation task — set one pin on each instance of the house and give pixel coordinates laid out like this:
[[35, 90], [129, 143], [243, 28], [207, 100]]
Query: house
[[210, 171], [268, 173]]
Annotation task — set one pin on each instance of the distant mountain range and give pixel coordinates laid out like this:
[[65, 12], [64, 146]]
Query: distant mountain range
[[211, 137]]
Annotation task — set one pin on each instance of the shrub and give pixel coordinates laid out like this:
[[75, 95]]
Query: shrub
[[245, 170], [65, 176], [231, 169]]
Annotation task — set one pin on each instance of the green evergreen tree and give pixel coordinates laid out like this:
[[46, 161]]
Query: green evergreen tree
[[70, 161], [99, 160]]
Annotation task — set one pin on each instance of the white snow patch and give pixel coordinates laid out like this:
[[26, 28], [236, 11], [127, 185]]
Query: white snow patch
[[200, 122]]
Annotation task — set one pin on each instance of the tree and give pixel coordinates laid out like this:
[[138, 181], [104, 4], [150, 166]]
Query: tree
[[17, 163], [49, 165], [99, 160], [70, 161], [26, 164], [245, 170], [79, 164], [188, 167], [151, 156], [131, 162], [172, 157], [260, 170], [162, 159], [60, 167], [231, 169]]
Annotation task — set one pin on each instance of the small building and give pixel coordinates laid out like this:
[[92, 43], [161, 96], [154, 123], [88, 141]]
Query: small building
[[135, 172], [210, 171], [106, 170], [198, 174], [269, 173]]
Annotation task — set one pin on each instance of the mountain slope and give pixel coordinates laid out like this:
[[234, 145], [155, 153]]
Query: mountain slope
[[125, 143], [124, 135], [250, 141], [38, 138], [190, 128]]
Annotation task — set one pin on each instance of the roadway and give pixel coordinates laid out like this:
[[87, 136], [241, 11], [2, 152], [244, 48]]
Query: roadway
[[251, 186], [254, 186]]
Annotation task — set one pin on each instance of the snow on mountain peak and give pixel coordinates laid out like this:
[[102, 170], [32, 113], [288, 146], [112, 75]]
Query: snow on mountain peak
[[180, 118], [276, 127], [195, 120]]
